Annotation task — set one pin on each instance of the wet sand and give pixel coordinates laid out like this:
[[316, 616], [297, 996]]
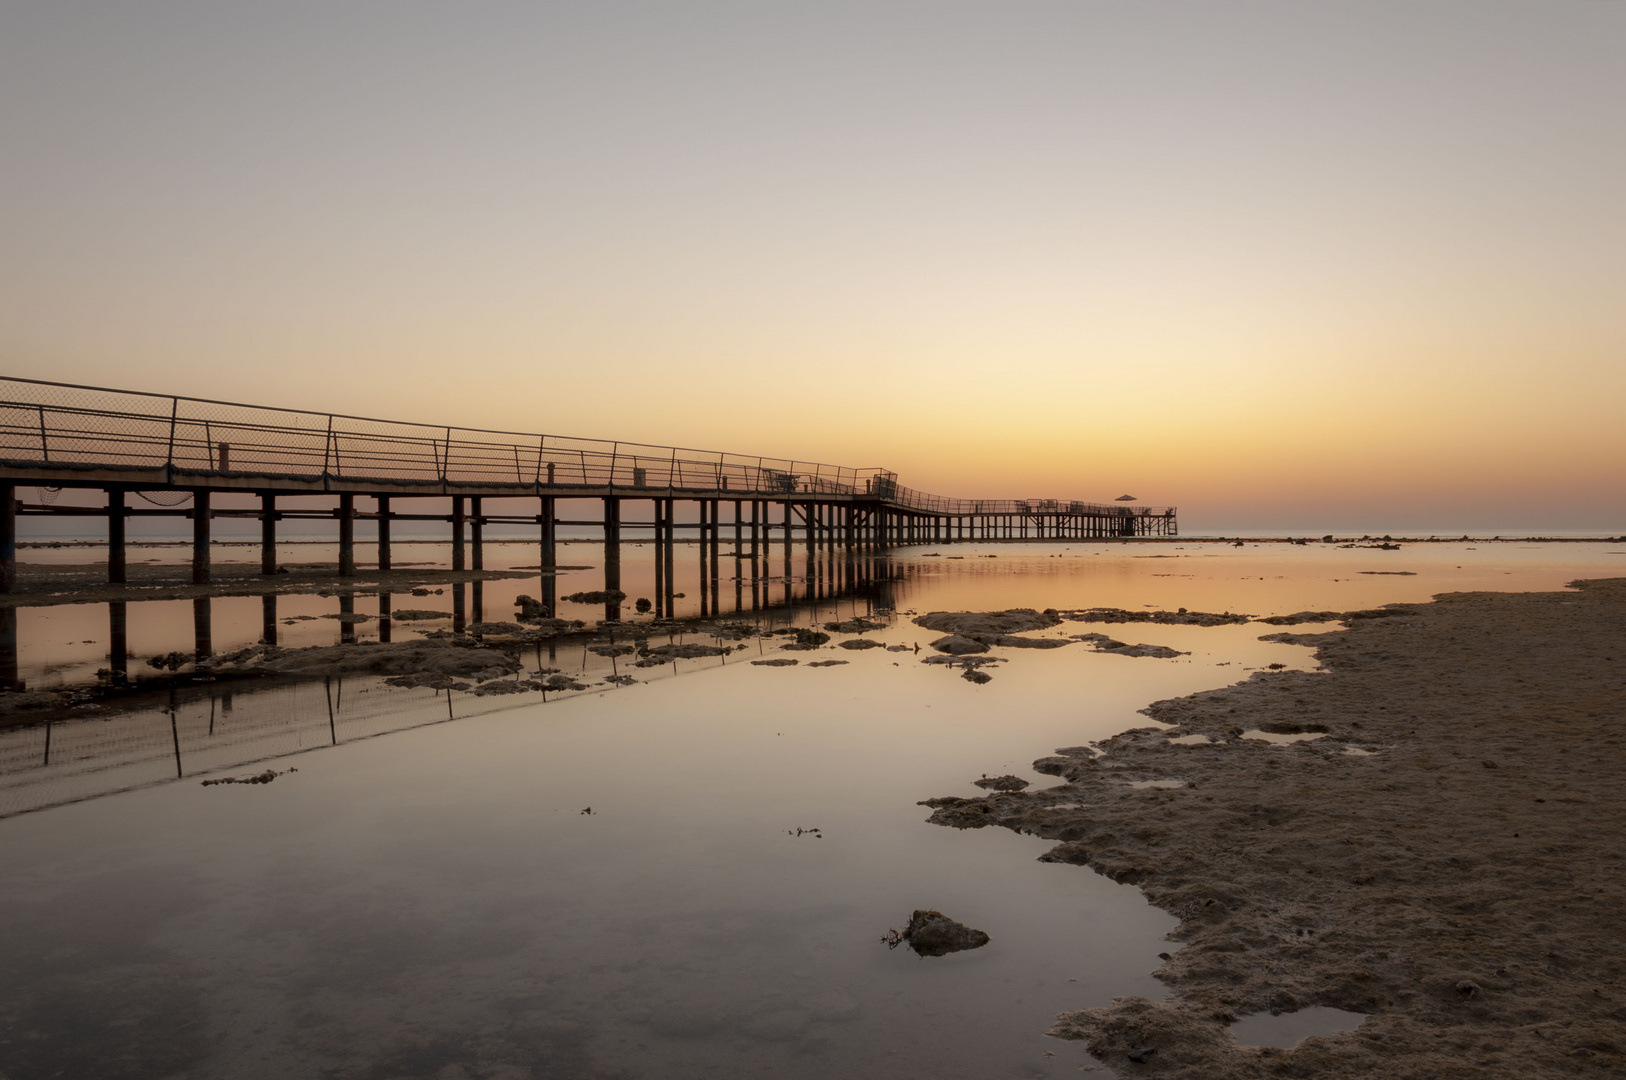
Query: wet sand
[[1443, 852]]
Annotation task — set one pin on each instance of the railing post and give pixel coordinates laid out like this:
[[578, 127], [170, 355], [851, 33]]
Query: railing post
[[169, 455]]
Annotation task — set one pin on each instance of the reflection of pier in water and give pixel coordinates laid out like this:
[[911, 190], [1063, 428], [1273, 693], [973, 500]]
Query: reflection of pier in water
[[187, 730]]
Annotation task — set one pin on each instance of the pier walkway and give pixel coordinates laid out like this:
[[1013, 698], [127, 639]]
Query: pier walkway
[[153, 454]]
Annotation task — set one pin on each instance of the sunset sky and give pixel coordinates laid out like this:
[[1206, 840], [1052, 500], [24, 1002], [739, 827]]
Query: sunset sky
[[1282, 264]]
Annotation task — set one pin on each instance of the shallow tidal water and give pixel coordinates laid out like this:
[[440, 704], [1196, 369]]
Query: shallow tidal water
[[426, 897]]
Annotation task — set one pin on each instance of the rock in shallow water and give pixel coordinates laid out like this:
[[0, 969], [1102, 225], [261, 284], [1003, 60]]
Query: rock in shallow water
[[931, 933]]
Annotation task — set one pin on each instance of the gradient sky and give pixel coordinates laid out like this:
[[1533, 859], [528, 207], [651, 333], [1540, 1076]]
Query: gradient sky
[[1282, 264]]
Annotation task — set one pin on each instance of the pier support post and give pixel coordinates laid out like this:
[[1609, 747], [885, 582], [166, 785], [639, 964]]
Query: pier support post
[[671, 556], [788, 553], [549, 540], [347, 536], [546, 518], [656, 510], [612, 557], [383, 532], [756, 533], [458, 518], [477, 534], [8, 650], [268, 533], [200, 538], [117, 567], [715, 538], [8, 539], [700, 545]]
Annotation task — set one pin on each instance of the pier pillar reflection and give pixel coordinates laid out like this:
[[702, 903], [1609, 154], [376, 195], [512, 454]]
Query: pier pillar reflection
[[202, 629], [383, 616], [118, 643], [459, 610], [268, 619], [347, 624]]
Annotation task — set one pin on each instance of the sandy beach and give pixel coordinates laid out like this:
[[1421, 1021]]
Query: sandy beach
[[1441, 850]]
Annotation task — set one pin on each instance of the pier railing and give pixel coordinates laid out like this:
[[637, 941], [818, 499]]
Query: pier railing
[[63, 424], [69, 426]]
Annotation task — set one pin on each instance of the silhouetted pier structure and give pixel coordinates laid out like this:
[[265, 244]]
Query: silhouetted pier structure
[[170, 450]]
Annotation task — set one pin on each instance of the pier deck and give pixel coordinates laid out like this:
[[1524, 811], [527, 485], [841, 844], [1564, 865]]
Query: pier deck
[[166, 451]]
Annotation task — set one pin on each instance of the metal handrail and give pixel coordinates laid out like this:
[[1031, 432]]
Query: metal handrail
[[66, 424]]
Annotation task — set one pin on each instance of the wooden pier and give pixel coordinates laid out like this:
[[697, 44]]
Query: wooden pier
[[155, 455]]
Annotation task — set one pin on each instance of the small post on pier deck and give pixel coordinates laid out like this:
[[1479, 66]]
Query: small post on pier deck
[[116, 565], [383, 531], [457, 532], [477, 533], [347, 536], [200, 538], [8, 542]]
